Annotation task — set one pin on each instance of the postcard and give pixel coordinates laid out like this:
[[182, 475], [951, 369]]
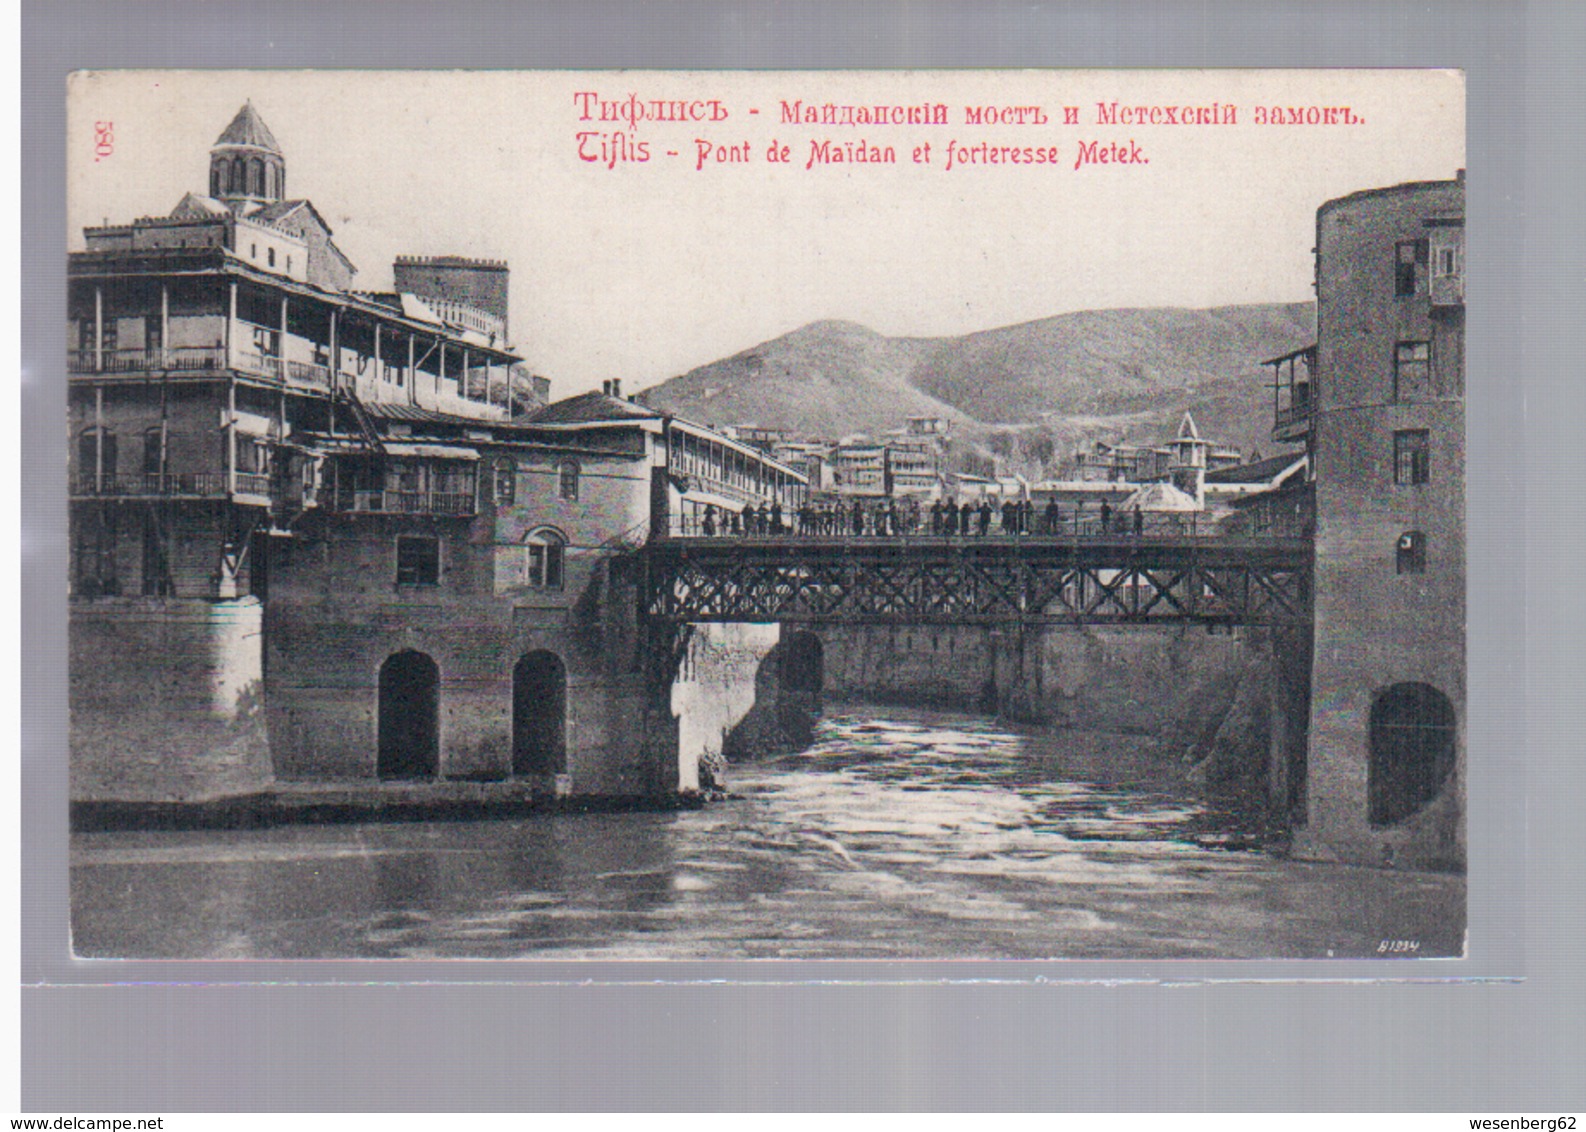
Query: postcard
[[764, 515]]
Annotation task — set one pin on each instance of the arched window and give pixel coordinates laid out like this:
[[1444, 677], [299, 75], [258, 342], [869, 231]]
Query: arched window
[[506, 479], [96, 451], [153, 452], [1412, 750], [269, 178], [1410, 553], [255, 177], [216, 188], [239, 172], [544, 559], [567, 479]]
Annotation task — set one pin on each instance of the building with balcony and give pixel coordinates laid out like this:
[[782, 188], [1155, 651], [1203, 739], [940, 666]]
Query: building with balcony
[[330, 535], [1379, 402]]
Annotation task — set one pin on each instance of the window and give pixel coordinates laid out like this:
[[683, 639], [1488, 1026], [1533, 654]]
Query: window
[[506, 480], [96, 451], [153, 450], [1410, 554], [1412, 370], [567, 475], [266, 342], [96, 553], [418, 561], [253, 251], [1411, 460], [1446, 263], [1409, 277], [544, 554], [269, 255]]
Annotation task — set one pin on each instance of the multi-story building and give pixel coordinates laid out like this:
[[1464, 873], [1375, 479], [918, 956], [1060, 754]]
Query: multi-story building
[[312, 541], [1379, 402]]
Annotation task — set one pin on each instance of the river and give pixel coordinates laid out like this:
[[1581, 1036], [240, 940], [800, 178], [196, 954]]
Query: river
[[898, 834]]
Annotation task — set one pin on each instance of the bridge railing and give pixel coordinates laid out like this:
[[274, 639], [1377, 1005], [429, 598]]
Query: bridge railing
[[827, 525]]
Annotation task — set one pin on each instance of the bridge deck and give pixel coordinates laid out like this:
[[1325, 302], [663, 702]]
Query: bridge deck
[[1086, 578]]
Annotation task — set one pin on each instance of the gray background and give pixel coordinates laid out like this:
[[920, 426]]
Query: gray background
[[1500, 1030]]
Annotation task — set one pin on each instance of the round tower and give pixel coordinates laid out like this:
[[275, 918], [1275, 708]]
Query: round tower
[[246, 163]]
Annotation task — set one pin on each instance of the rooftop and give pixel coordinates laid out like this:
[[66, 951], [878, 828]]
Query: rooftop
[[248, 129]]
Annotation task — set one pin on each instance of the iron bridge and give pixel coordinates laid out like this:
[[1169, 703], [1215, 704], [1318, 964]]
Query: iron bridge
[[1033, 579]]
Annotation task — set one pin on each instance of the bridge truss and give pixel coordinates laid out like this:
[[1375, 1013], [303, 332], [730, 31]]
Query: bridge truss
[[1026, 580]]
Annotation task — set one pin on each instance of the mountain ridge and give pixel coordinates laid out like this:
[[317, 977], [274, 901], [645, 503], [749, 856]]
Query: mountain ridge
[[1070, 378]]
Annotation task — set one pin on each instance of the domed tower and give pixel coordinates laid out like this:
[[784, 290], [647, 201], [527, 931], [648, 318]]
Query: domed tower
[[246, 163]]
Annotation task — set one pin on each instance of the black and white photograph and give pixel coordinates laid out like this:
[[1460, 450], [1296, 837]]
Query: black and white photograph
[[727, 515]]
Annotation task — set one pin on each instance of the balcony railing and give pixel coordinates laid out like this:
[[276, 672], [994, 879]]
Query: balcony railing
[[406, 502], [177, 359], [190, 485], [1295, 414], [253, 483], [265, 364], [309, 373], [202, 485]]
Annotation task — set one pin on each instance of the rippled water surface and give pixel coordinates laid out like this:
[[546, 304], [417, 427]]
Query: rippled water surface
[[898, 834]]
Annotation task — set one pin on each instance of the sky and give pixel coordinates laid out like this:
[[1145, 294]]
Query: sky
[[644, 269]]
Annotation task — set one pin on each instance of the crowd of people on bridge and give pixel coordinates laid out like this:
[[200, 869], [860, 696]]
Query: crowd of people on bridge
[[889, 517]]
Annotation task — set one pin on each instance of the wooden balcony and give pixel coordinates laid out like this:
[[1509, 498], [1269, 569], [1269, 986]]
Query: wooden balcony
[[405, 502], [171, 485], [177, 359]]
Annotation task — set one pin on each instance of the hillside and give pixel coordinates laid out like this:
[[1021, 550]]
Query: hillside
[[1067, 379]]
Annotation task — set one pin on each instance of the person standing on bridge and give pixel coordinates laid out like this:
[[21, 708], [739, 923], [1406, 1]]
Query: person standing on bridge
[[776, 516], [1054, 516], [965, 513], [709, 525], [1008, 516], [936, 517], [985, 517], [1106, 518], [1139, 521], [858, 518]]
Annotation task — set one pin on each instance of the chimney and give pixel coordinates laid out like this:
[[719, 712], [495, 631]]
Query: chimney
[[616, 387]]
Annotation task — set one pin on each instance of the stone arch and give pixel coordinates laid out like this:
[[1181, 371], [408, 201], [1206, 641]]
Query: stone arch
[[803, 663], [1411, 737], [539, 714], [409, 716]]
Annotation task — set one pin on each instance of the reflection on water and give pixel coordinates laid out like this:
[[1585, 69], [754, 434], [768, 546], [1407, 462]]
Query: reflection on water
[[898, 834]]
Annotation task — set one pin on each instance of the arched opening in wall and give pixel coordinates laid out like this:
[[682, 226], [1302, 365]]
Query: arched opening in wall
[[1412, 751], [539, 715], [803, 664], [409, 716]]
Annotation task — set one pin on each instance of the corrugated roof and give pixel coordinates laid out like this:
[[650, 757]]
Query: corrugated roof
[[1257, 472], [589, 408], [391, 411], [247, 128]]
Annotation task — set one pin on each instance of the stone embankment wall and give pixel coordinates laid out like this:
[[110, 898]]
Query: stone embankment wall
[[166, 700], [1205, 696]]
